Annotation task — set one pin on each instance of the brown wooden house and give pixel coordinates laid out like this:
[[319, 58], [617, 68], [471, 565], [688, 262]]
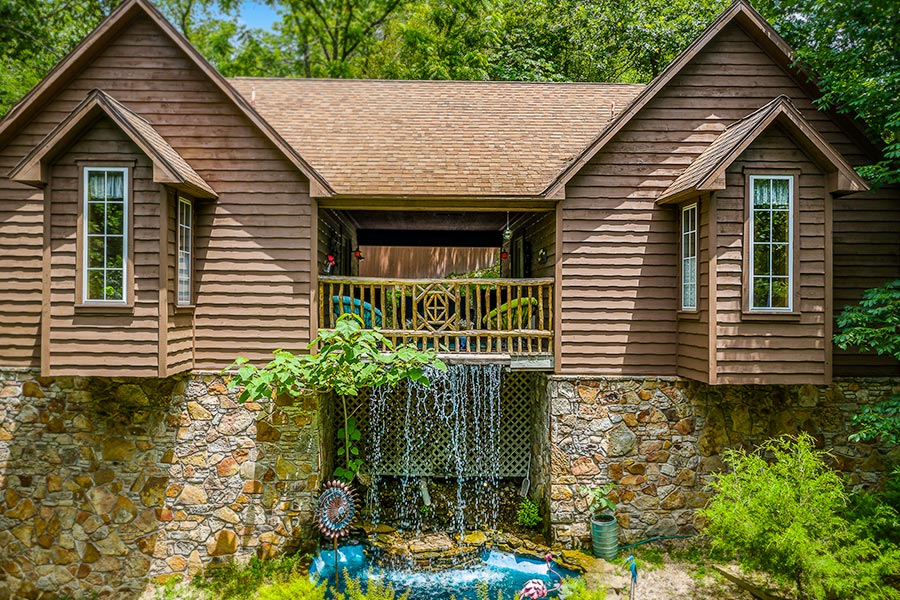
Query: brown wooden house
[[156, 217]]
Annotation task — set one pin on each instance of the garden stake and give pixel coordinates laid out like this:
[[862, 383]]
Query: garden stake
[[632, 565]]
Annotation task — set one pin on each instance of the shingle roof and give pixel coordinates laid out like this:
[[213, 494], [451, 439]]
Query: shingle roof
[[439, 138], [169, 166], [705, 171]]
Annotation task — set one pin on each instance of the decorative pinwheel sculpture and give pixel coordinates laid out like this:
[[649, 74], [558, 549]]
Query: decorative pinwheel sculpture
[[336, 509]]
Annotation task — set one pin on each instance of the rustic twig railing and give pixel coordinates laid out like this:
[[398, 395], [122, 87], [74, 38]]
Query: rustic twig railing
[[506, 316]]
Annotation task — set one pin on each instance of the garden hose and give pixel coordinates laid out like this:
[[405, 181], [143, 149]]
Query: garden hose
[[657, 539]]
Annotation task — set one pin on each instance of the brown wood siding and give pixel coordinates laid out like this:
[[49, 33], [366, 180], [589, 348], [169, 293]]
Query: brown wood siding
[[83, 341], [619, 262], [539, 230], [693, 327], [401, 262], [772, 351], [866, 255], [336, 234], [180, 323], [252, 245]]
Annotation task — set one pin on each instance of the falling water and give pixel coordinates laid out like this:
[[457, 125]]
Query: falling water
[[450, 429]]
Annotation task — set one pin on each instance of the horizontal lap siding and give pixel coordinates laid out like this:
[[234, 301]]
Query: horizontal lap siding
[[772, 352], [693, 329], [83, 343], [866, 255], [256, 234], [619, 245], [180, 323]]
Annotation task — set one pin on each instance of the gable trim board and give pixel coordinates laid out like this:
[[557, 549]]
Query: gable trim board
[[739, 11], [707, 171], [169, 167], [99, 37]]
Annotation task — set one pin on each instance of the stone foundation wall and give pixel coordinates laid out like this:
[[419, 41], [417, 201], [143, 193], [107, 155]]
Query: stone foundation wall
[[660, 440], [108, 484]]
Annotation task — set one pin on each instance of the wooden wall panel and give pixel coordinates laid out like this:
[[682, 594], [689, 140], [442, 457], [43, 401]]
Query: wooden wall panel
[[777, 350], [693, 327], [252, 244], [180, 322], [84, 341], [619, 263]]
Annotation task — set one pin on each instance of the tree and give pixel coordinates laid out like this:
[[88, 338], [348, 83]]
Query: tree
[[349, 360], [873, 325], [851, 49]]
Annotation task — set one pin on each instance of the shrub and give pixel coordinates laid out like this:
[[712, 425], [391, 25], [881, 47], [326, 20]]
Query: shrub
[[529, 513], [298, 588], [375, 590], [576, 589], [788, 516], [236, 581]]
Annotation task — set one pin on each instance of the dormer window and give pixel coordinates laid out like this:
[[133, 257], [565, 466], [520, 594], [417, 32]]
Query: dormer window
[[106, 239], [771, 235]]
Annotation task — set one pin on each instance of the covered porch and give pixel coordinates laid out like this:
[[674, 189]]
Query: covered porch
[[478, 286]]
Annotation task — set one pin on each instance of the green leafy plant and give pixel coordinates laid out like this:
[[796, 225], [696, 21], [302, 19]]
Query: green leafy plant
[[236, 581], [292, 589], [598, 498], [874, 325], [529, 514], [374, 590], [783, 511], [575, 588], [349, 360]]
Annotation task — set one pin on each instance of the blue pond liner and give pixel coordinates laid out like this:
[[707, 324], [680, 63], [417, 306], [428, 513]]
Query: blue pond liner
[[501, 571]]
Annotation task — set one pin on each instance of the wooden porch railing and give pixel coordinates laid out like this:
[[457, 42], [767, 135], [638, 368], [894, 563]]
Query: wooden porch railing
[[502, 316]]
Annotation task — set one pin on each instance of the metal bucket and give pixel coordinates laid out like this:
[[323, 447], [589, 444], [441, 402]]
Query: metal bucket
[[605, 536]]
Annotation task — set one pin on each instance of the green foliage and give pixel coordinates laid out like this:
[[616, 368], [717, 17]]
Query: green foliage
[[851, 49], [874, 325], [598, 498], [374, 590], [576, 589], [787, 516], [349, 360], [529, 514], [241, 581], [292, 589]]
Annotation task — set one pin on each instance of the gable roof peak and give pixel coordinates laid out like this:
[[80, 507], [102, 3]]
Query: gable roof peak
[[95, 41]]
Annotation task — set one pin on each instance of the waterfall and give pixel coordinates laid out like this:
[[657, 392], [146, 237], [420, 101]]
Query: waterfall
[[448, 429]]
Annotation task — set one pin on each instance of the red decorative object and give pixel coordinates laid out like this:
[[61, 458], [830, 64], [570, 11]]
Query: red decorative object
[[357, 254], [330, 263], [504, 255]]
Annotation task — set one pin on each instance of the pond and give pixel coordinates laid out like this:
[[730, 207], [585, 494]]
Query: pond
[[499, 571]]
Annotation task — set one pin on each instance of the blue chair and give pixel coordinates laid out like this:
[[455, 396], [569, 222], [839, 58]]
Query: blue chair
[[345, 304]]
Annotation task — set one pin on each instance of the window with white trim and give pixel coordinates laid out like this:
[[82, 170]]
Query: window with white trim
[[771, 235], [689, 257], [185, 241], [105, 265]]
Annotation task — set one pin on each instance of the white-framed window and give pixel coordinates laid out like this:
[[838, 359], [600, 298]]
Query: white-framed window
[[185, 246], [105, 265], [689, 257], [771, 239]]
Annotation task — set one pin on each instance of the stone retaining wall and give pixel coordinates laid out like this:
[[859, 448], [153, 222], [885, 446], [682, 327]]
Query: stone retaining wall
[[107, 484], [660, 441]]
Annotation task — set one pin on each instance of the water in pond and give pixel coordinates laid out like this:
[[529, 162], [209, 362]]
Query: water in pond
[[501, 571]]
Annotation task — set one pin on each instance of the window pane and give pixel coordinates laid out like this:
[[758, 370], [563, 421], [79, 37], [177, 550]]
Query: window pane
[[95, 218], [114, 252], [115, 213], [96, 186], [114, 289], [115, 186], [761, 225], [780, 259], [780, 220], [761, 287], [95, 285], [760, 193], [761, 259], [781, 193], [780, 292], [96, 252]]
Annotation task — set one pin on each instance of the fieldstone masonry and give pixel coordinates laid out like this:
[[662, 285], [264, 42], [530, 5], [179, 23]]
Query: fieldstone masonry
[[660, 440], [108, 484]]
